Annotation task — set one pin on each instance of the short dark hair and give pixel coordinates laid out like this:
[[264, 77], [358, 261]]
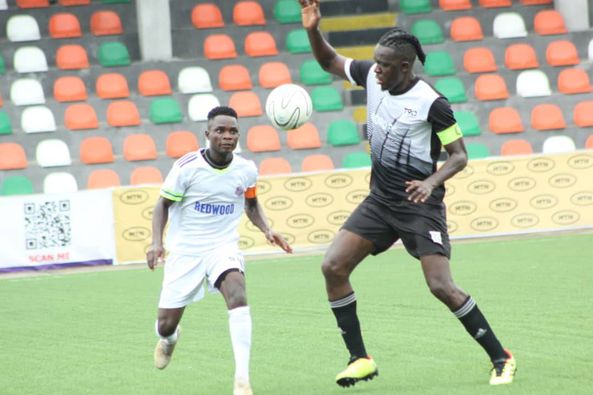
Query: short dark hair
[[404, 43], [222, 110]]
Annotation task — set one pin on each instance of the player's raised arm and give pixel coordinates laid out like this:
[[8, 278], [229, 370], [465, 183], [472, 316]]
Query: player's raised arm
[[256, 215], [160, 216]]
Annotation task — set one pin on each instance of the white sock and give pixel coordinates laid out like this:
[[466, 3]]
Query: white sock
[[240, 329], [169, 339]]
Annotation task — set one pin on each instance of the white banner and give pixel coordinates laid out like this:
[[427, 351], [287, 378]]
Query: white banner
[[43, 231]]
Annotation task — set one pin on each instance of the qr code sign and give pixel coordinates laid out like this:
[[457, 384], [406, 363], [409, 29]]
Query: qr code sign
[[47, 224]]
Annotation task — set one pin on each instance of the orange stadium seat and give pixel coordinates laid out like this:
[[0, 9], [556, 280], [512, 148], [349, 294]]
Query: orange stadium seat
[[32, 3], [583, 114], [589, 142], [466, 28], [123, 113], [562, 53], [103, 178], [272, 166], [260, 44], [505, 120], [273, 74], [479, 60], [490, 87], [80, 116], [573, 81], [548, 22], [516, 147], [64, 25], [317, 162], [547, 117], [139, 147], [69, 88], [520, 56], [72, 57], [219, 46], [74, 2], [95, 150], [536, 2], [180, 143], [154, 83], [455, 5], [146, 175], [304, 137], [106, 23], [495, 3], [206, 16], [1, 101], [12, 156], [112, 86], [246, 103], [263, 138], [234, 77], [248, 13]]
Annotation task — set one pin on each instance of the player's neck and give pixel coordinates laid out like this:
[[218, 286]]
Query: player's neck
[[405, 86], [216, 160]]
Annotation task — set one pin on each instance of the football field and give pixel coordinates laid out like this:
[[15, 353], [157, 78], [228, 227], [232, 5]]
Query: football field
[[93, 332]]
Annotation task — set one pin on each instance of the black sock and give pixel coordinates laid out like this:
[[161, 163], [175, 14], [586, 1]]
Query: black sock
[[345, 311], [476, 325]]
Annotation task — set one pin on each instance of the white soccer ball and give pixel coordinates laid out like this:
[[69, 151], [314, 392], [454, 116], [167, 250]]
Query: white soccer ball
[[288, 106]]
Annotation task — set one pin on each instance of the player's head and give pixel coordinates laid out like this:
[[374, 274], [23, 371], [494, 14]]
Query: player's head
[[223, 129], [395, 54]]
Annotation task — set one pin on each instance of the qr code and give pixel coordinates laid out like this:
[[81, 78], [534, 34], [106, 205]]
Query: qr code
[[47, 224]]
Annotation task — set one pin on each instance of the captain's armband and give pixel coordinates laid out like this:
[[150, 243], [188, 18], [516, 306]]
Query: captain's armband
[[451, 134]]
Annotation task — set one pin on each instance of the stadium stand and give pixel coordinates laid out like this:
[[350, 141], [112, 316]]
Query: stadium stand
[[273, 74], [317, 162], [112, 86], [180, 143], [103, 178], [59, 182], [69, 88], [38, 119], [274, 166], [146, 175]]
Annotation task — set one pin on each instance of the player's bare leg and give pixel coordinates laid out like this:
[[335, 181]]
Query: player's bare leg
[[167, 328]]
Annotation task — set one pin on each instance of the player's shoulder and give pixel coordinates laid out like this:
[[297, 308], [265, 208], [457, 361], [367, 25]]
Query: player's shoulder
[[189, 160], [245, 163]]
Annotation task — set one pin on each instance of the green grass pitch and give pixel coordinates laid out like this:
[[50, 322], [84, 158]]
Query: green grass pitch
[[93, 332]]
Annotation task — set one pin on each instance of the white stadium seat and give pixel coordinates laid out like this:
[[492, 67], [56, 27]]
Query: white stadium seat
[[200, 105], [558, 144], [194, 80], [22, 28], [59, 182], [3, 5], [26, 92], [29, 60], [533, 83], [52, 153], [590, 49], [509, 25], [38, 119]]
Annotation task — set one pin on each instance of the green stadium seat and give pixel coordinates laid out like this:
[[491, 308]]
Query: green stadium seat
[[343, 132], [415, 6], [165, 110], [5, 125], [312, 73], [297, 41], [326, 98], [468, 122], [477, 151], [356, 159], [16, 185], [452, 88], [113, 54], [428, 31], [287, 11], [439, 63], [2, 65]]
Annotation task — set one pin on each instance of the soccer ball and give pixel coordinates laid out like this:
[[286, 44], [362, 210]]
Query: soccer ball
[[288, 106]]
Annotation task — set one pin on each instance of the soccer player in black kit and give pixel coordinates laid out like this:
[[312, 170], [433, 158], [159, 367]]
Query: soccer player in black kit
[[408, 123]]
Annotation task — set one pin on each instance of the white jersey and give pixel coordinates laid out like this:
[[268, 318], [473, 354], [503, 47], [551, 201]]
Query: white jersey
[[208, 203]]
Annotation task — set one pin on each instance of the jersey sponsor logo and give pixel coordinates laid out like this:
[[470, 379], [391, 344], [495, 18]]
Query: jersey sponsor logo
[[436, 237], [239, 191], [214, 209], [411, 113]]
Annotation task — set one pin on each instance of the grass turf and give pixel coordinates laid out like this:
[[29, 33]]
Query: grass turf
[[92, 333]]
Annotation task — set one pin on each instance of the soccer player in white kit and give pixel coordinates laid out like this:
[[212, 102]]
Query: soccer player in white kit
[[205, 194]]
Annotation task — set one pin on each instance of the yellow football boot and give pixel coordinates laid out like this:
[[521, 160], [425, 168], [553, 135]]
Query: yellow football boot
[[359, 369]]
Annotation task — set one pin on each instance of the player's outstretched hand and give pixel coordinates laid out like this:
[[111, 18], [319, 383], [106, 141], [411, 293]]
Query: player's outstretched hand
[[154, 255], [275, 238], [310, 14], [419, 190]]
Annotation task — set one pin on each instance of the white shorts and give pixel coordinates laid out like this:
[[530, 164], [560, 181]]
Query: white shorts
[[183, 279]]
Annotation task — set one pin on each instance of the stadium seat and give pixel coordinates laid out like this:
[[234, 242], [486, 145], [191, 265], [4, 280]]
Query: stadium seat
[[234, 77], [113, 54], [64, 25], [573, 81], [415, 6], [468, 123], [317, 162], [562, 53], [516, 147], [504, 120], [80, 116], [180, 143], [16, 185], [69, 88], [520, 56], [466, 28], [72, 57], [342, 132], [112, 86], [29, 60], [439, 63], [146, 175], [297, 41], [26, 92], [68, 3], [452, 88], [304, 137], [536, 2], [479, 60], [273, 74], [260, 44], [106, 23], [589, 142], [428, 31], [115, 1], [558, 144], [455, 5], [52, 153], [154, 83], [21, 28], [311, 73], [1, 101], [583, 114], [477, 151], [94, 150], [12, 156], [490, 87], [2, 65], [263, 138], [194, 80], [274, 166], [354, 160], [495, 3], [326, 98], [139, 147], [5, 124], [32, 3], [206, 16], [165, 110], [547, 22], [59, 182], [103, 178], [219, 46], [38, 119], [547, 117], [533, 83], [509, 25], [248, 13], [287, 11], [246, 103], [200, 105], [123, 113], [3, 5]]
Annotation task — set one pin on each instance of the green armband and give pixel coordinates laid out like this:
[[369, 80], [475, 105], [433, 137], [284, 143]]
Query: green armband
[[176, 197], [450, 134]]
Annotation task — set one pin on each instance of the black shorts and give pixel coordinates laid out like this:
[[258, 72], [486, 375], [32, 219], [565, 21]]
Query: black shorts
[[421, 227]]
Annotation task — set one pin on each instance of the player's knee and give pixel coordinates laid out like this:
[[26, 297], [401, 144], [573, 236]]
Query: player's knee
[[166, 327], [236, 299], [442, 290], [333, 270]]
